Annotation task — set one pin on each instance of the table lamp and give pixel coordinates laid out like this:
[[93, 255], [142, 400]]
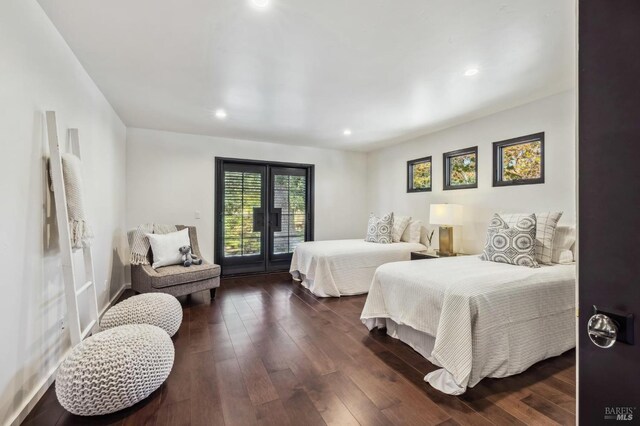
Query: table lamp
[[447, 216]]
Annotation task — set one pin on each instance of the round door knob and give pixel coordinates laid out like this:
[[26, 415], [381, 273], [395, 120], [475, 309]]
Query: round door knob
[[602, 331]]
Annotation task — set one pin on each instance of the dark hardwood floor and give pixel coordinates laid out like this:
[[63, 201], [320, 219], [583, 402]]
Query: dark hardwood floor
[[268, 352]]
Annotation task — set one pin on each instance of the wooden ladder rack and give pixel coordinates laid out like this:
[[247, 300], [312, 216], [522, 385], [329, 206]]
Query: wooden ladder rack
[[72, 292]]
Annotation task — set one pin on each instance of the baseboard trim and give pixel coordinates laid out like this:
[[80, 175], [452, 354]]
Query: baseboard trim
[[114, 298], [36, 394]]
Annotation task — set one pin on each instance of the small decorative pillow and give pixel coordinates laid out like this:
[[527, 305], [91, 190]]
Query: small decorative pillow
[[562, 256], [564, 239], [545, 232], [515, 245], [166, 247], [415, 231], [410, 231], [400, 223], [379, 229]]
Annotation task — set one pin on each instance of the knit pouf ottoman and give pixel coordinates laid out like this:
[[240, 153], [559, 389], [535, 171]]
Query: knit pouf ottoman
[[159, 309], [114, 369]]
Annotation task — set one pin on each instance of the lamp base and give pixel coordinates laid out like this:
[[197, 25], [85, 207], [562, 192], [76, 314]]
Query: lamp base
[[446, 241]]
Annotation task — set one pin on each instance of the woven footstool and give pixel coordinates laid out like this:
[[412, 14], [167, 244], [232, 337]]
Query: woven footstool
[[159, 309], [114, 369]]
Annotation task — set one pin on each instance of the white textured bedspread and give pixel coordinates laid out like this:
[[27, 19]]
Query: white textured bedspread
[[488, 319], [344, 267]]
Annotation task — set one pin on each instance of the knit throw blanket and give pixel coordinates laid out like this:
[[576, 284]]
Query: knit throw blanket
[[140, 243], [73, 188]]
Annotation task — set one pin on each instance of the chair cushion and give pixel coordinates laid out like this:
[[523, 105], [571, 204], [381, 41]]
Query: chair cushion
[[168, 276]]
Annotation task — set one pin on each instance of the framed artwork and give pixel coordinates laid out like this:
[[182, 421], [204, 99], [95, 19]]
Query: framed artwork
[[461, 169], [519, 161], [419, 175]]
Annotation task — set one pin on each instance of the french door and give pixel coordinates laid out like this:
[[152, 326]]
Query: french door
[[263, 211]]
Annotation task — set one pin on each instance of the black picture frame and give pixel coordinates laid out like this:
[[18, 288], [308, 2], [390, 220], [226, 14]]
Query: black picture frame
[[446, 160], [498, 164], [410, 165]]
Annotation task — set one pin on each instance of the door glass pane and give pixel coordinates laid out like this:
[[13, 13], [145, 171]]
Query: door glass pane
[[290, 195], [242, 194]]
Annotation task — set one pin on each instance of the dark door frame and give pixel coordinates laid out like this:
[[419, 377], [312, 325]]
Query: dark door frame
[[608, 198], [255, 262], [218, 203], [276, 262]]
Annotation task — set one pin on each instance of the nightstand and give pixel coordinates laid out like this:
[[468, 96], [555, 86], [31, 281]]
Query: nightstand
[[431, 254]]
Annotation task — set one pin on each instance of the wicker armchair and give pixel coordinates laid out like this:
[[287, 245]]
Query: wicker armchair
[[176, 279]]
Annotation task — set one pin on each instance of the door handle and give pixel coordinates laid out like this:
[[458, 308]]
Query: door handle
[[603, 331], [276, 220], [606, 321], [258, 219]]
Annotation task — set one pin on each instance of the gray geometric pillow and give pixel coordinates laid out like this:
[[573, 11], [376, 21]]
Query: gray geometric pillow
[[515, 245], [379, 229], [546, 224]]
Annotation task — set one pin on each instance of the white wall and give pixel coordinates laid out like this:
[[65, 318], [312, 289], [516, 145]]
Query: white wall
[[554, 115], [171, 175], [39, 72]]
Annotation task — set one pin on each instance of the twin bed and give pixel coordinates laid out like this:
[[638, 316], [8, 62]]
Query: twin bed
[[344, 267], [472, 318]]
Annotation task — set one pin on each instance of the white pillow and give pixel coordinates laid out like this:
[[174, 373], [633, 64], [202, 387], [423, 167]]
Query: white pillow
[[166, 247], [565, 237], [413, 231], [406, 234], [562, 256], [545, 232], [564, 240], [400, 223]]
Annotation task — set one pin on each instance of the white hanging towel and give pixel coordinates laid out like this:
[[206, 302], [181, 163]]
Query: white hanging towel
[[73, 186]]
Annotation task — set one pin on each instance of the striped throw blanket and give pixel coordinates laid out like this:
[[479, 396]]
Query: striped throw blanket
[[139, 242]]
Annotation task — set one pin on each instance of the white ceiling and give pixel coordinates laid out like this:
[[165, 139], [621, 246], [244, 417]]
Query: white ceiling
[[302, 71]]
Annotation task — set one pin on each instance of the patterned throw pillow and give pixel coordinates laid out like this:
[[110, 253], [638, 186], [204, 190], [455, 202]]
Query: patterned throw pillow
[[514, 245], [545, 232], [400, 223], [379, 229]]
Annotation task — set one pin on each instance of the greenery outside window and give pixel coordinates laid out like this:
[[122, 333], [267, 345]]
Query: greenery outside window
[[461, 169], [519, 161], [419, 175]]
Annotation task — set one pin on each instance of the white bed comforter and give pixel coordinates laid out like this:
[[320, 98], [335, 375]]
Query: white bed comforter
[[488, 319], [344, 267]]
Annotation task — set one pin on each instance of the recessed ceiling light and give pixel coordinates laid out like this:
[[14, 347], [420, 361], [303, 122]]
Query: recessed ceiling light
[[221, 114], [260, 4], [471, 72], [347, 132]]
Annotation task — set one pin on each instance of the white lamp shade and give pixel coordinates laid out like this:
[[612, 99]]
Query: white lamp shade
[[446, 214]]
